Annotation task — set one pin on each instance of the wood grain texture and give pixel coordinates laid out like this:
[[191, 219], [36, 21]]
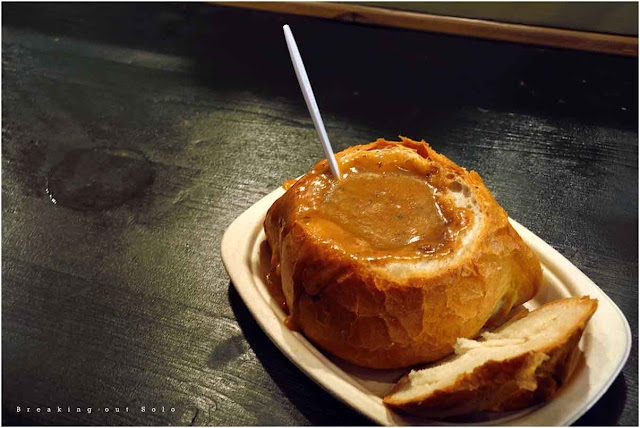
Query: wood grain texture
[[530, 34], [130, 306]]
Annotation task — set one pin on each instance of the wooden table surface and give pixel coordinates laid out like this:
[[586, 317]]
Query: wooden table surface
[[153, 126]]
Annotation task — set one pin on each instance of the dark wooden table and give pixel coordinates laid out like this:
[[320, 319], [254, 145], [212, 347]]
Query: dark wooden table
[[153, 126]]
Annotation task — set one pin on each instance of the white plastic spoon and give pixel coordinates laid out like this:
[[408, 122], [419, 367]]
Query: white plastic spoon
[[310, 99]]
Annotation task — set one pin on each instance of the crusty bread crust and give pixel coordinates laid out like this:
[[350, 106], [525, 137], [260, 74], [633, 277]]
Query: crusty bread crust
[[512, 384], [373, 318]]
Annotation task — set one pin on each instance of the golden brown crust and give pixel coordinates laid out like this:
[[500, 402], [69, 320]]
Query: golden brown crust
[[378, 320], [511, 384]]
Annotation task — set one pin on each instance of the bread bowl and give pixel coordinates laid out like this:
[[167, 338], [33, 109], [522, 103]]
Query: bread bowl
[[406, 252], [523, 363]]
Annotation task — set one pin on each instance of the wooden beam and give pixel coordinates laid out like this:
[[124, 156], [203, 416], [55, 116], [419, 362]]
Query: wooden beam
[[535, 35]]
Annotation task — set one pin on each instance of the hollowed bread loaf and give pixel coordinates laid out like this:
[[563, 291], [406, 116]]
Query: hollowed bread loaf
[[389, 265], [521, 364]]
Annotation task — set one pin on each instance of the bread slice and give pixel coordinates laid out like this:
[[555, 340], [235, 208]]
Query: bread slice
[[521, 364], [374, 274]]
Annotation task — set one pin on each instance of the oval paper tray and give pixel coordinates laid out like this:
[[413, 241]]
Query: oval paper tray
[[605, 343]]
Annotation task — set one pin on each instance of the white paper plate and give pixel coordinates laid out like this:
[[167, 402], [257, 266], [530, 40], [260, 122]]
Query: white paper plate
[[605, 343]]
